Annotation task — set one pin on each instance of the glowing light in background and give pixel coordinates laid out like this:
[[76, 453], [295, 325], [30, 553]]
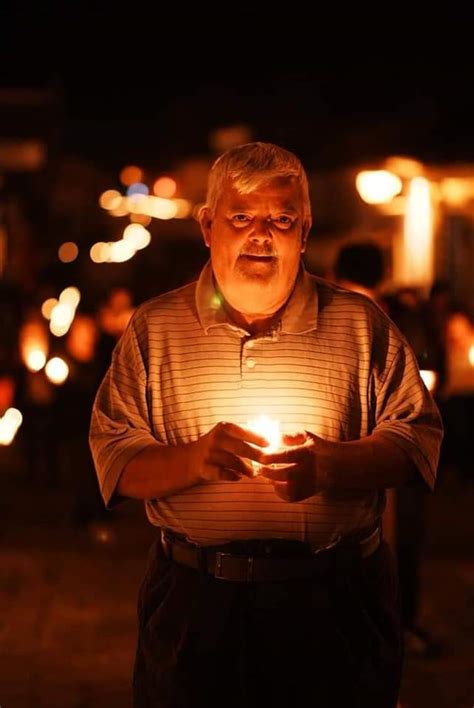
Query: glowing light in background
[[131, 174], [164, 187], [9, 424], [378, 186], [35, 359], [97, 252], [137, 236], [121, 251], [142, 219], [7, 391], [184, 208], [417, 264], [82, 338], [430, 378], [67, 252], [471, 355], [229, 136], [122, 208], [136, 203], [57, 370], [61, 319], [404, 167], [137, 188], [47, 307], [33, 337], [456, 191], [160, 208], [111, 199], [70, 296]]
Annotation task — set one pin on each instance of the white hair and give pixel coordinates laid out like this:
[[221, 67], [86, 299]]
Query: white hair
[[249, 166]]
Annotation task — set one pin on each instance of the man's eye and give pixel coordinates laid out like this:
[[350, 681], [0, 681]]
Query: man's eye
[[241, 219], [283, 221]]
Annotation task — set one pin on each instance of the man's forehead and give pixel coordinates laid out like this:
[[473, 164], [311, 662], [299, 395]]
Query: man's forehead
[[285, 195]]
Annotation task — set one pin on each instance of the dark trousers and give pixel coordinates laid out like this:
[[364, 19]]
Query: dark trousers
[[328, 643]]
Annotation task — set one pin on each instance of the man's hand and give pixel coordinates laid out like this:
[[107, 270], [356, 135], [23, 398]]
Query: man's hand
[[296, 476], [224, 453]]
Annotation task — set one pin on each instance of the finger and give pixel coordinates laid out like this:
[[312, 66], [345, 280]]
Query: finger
[[240, 433], [294, 439], [248, 469], [281, 457], [226, 460], [244, 449], [281, 489], [277, 474]]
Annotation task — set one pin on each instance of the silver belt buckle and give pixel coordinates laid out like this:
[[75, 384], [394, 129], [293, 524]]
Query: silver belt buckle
[[219, 562]]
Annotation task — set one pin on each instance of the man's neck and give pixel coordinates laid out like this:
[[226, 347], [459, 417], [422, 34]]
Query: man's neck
[[254, 324]]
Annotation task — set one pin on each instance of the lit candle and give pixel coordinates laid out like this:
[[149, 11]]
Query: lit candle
[[269, 428]]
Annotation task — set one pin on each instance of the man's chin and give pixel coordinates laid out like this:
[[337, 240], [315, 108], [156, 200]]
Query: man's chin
[[256, 268]]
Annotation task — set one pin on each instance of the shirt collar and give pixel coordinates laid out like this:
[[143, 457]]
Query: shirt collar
[[299, 316]]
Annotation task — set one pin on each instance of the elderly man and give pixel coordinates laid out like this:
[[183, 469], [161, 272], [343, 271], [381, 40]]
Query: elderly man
[[270, 583]]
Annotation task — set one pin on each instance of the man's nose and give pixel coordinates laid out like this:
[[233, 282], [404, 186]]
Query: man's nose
[[261, 230]]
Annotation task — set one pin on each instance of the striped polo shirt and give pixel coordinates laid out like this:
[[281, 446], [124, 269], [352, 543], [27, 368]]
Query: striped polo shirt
[[335, 365]]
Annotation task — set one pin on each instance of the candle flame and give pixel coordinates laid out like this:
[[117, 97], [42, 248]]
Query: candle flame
[[268, 428]]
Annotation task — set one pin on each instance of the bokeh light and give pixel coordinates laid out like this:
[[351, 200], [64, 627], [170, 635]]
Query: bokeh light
[[47, 307], [57, 370], [111, 199], [137, 188], [131, 174], [67, 252], [164, 187]]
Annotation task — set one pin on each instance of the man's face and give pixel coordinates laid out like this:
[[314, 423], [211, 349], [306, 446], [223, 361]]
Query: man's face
[[256, 241]]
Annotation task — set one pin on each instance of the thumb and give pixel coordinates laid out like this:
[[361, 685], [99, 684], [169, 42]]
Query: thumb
[[294, 439]]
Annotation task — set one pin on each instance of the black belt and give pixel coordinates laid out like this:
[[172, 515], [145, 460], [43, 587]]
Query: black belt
[[224, 563]]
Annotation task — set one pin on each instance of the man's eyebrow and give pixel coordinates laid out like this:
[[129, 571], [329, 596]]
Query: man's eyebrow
[[281, 208], [288, 209]]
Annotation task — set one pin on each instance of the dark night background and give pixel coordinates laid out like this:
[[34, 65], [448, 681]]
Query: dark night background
[[336, 89], [148, 84]]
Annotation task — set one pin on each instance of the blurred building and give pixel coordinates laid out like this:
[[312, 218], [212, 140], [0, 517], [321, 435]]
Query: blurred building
[[423, 221]]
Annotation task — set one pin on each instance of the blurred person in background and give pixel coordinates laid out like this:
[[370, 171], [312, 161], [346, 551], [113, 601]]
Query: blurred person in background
[[458, 394], [269, 583], [451, 345], [72, 416], [112, 318], [37, 399], [360, 267]]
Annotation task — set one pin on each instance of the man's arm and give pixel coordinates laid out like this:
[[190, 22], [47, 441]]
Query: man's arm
[[162, 470], [157, 471], [131, 462], [374, 462], [314, 465]]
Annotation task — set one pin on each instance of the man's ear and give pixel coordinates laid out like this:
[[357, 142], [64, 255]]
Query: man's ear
[[305, 234], [205, 223]]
